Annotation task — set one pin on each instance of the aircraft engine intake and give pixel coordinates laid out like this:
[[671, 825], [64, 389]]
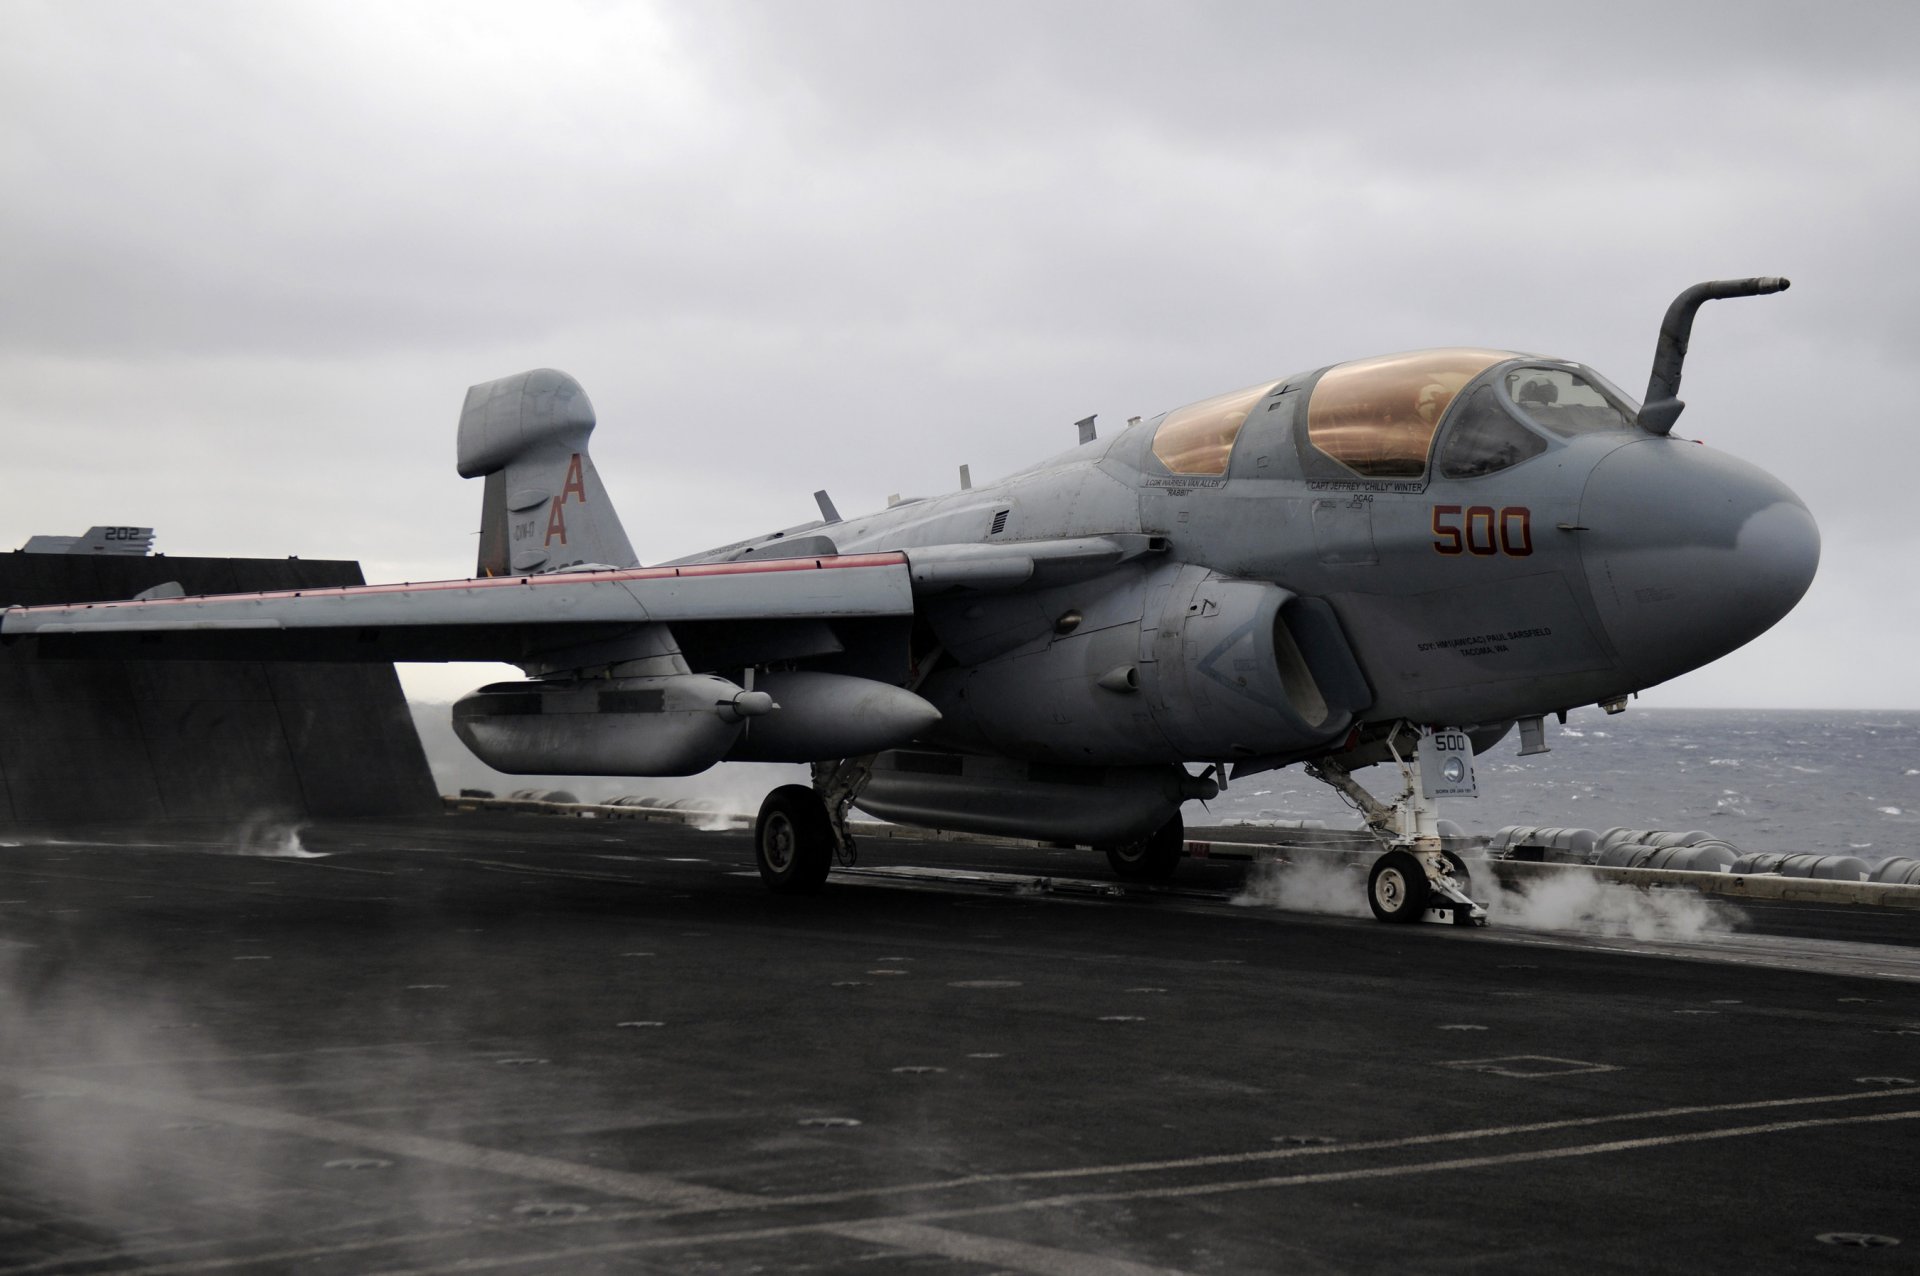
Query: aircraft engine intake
[[678, 724], [1188, 666], [1243, 667]]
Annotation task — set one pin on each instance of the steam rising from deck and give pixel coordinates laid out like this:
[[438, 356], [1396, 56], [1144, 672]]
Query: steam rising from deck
[[272, 838], [1568, 903]]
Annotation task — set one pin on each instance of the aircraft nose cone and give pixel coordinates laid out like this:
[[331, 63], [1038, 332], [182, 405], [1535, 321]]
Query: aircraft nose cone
[[1690, 553]]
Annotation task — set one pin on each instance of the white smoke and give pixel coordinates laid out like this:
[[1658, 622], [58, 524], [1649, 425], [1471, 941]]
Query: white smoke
[[723, 820], [1587, 904], [269, 837], [66, 1142], [1571, 903], [1312, 884]]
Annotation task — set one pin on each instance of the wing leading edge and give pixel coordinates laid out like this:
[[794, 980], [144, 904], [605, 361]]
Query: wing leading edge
[[719, 613], [501, 618]]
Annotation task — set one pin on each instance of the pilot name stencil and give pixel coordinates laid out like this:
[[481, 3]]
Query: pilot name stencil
[[1183, 484], [1485, 644], [1365, 485]]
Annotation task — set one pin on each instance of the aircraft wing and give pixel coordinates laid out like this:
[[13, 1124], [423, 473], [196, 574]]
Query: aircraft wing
[[793, 602], [744, 612]]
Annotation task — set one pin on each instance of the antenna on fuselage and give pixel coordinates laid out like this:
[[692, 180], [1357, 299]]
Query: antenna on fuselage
[[1086, 428]]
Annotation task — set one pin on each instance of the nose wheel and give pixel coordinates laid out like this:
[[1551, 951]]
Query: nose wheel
[[1397, 888], [1415, 876], [1406, 885]]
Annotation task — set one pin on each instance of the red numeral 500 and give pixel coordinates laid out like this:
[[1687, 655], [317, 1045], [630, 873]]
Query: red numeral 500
[[1480, 529]]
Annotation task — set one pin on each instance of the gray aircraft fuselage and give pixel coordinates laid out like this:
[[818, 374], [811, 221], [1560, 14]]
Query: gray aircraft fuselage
[[1608, 562], [1412, 551]]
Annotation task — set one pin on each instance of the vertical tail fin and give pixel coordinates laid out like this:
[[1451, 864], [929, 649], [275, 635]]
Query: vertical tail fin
[[543, 506]]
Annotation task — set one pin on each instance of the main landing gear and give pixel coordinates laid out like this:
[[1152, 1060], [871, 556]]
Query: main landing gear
[[793, 841], [1154, 857], [1416, 876], [802, 831]]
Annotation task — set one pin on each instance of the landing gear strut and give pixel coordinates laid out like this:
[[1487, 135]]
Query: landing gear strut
[[802, 831], [839, 784], [1415, 876]]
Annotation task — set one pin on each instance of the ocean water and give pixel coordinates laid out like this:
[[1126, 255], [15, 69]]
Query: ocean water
[[1830, 782], [1826, 781]]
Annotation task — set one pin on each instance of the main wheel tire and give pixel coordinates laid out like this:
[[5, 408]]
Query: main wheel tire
[[1153, 858], [1461, 877], [793, 841], [1397, 888]]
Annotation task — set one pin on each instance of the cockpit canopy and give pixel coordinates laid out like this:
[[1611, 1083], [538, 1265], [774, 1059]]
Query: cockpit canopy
[[1377, 418], [1566, 402], [1486, 434], [1198, 439]]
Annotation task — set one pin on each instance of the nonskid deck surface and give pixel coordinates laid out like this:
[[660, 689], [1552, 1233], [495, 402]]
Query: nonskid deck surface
[[490, 1043]]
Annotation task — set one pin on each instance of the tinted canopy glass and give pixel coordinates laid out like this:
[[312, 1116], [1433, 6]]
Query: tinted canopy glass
[[1198, 439], [1377, 417]]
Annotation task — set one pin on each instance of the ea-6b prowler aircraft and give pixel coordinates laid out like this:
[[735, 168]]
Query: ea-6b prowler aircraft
[[1391, 560]]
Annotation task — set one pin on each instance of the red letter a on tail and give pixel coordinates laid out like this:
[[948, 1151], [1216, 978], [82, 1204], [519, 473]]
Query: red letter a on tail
[[575, 483]]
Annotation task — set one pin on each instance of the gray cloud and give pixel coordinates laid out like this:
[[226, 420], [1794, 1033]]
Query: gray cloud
[[253, 255]]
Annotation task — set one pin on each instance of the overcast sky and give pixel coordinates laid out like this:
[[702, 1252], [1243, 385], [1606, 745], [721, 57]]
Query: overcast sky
[[251, 255]]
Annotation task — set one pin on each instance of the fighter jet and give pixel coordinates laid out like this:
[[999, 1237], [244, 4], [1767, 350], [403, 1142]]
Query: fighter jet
[[1391, 560]]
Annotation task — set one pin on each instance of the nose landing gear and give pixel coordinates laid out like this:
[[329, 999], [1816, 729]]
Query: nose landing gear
[[1406, 885], [1416, 877]]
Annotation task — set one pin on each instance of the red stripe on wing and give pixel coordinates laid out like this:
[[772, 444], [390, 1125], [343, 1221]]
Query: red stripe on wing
[[497, 582]]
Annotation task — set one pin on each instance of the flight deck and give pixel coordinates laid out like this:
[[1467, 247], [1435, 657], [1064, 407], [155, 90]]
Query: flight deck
[[516, 1043]]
